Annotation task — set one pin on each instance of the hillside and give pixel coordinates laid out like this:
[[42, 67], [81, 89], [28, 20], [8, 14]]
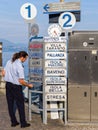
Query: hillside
[[9, 46]]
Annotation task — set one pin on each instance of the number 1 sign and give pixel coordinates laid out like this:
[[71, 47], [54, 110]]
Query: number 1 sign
[[67, 20], [28, 11]]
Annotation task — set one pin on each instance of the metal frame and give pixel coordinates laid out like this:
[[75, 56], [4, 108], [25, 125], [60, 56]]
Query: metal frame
[[62, 103], [30, 102], [45, 109]]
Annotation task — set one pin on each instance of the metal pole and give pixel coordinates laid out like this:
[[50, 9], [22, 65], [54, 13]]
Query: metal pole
[[30, 105], [29, 92], [65, 105], [29, 30]]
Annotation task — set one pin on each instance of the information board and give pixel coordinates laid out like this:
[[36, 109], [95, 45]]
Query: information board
[[55, 80], [55, 68], [36, 67], [55, 47], [55, 88], [55, 63]]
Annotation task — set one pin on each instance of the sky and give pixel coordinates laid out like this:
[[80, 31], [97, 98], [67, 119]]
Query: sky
[[13, 27]]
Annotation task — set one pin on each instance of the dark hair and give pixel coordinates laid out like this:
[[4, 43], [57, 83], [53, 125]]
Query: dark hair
[[19, 55]]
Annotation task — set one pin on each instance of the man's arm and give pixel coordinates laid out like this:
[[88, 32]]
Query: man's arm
[[24, 83]]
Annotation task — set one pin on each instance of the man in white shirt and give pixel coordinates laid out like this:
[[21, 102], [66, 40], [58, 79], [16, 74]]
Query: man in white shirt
[[14, 76]]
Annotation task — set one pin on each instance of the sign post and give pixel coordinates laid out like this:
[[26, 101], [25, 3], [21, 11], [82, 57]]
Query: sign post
[[67, 21], [55, 9], [28, 11], [54, 72]]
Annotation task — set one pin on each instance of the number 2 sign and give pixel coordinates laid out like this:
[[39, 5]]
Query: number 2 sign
[[67, 20], [28, 11]]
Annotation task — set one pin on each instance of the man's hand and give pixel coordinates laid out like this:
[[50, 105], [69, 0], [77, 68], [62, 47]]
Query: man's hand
[[3, 72], [25, 83], [30, 85]]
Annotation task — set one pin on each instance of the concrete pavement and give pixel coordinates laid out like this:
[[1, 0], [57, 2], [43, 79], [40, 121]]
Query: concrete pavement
[[36, 123]]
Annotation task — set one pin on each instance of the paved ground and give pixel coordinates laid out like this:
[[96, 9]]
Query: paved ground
[[36, 123]]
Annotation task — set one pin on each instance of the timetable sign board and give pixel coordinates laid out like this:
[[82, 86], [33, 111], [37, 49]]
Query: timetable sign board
[[55, 97], [35, 62], [36, 70], [36, 79], [55, 63], [55, 47], [55, 80], [55, 88], [55, 55], [55, 72], [36, 54], [35, 45]]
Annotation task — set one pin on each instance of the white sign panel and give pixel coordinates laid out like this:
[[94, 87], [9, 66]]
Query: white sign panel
[[55, 55], [55, 72], [67, 20], [55, 63], [55, 97], [55, 88], [55, 80], [55, 39], [28, 11], [55, 47]]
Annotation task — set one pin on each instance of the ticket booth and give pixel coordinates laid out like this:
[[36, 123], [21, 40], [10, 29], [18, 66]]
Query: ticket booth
[[83, 76]]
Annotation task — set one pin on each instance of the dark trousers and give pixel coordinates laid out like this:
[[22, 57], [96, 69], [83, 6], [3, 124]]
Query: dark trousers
[[14, 95]]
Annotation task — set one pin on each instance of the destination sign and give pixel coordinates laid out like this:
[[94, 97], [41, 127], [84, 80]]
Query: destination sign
[[55, 39], [36, 71], [62, 6], [35, 79], [55, 88], [35, 45], [55, 63], [55, 47], [55, 97], [55, 55], [35, 62], [55, 72], [55, 80], [36, 54]]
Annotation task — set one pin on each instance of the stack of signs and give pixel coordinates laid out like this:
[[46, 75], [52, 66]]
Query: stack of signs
[[35, 65], [55, 69]]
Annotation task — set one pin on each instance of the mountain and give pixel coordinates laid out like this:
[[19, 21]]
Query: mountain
[[10, 46], [6, 42]]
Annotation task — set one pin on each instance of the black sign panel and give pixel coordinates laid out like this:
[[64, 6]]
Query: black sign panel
[[53, 17]]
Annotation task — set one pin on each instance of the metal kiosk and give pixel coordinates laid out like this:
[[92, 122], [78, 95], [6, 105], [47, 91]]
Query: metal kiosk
[[83, 76]]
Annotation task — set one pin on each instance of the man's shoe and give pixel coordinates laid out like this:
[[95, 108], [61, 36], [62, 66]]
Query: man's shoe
[[15, 124], [25, 125]]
